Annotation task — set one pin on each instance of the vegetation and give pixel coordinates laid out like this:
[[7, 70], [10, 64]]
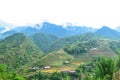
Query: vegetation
[[18, 50], [43, 41], [18, 54], [6, 74], [81, 47], [61, 43], [114, 45], [101, 68], [104, 69], [54, 59]]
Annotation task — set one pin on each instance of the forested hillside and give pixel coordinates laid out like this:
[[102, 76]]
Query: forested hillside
[[18, 50], [43, 41], [60, 43]]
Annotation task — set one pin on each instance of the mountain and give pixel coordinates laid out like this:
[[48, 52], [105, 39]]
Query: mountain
[[53, 29], [20, 28], [7, 33], [75, 30], [60, 31], [18, 50], [43, 41], [109, 33], [27, 30], [1, 29], [30, 31]]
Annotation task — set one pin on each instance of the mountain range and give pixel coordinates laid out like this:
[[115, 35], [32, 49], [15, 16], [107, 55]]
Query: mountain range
[[48, 42], [60, 31], [49, 28]]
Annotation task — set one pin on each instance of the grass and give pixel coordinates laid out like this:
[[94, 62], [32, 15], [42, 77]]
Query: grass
[[71, 66], [54, 59]]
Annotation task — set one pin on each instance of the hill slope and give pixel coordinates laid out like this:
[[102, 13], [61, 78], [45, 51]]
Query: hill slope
[[60, 43], [18, 50], [56, 58], [92, 47], [43, 41]]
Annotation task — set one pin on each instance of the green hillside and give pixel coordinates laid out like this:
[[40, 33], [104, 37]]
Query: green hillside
[[92, 48], [60, 43], [18, 50], [81, 47], [56, 58], [43, 41]]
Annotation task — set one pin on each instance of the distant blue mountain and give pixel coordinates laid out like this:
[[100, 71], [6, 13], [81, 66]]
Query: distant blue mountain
[[20, 28], [29, 31], [6, 34], [53, 29], [1, 29], [75, 30], [108, 32], [60, 31]]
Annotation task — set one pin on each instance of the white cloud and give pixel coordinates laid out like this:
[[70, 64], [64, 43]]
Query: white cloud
[[95, 13]]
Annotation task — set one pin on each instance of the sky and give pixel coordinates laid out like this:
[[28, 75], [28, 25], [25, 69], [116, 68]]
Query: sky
[[91, 13]]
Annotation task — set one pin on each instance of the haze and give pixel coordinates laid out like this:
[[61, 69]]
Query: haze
[[91, 13]]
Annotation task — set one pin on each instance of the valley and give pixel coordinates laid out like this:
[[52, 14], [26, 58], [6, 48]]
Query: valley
[[51, 49]]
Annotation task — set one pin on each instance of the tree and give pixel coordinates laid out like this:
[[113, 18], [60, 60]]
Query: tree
[[105, 69], [3, 69], [117, 74], [6, 74]]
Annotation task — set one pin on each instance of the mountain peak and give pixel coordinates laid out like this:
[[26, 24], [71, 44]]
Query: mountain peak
[[105, 27], [108, 32]]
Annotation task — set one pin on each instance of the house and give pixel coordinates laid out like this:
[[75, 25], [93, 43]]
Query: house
[[35, 68], [68, 71], [47, 67], [93, 49], [66, 62], [72, 71]]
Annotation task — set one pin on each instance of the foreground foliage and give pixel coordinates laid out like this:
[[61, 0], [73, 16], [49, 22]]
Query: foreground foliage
[[6, 74]]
